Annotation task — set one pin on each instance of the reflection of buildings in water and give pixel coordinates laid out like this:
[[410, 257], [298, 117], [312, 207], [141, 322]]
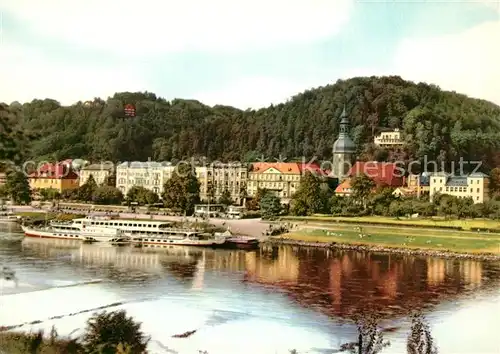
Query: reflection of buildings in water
[[469, 272], [284, 268], [233, 261], [436, 270], [344, 283], [472, 272]]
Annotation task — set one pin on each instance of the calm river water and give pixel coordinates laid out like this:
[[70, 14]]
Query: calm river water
[[266, 301]]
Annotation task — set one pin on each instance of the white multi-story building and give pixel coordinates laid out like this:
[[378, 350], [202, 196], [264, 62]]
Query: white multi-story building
[[150, 175], [222, 176], [100, 173], [474, 185]]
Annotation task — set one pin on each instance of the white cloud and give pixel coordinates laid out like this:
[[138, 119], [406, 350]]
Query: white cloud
[[255, 92], [27, 74], [128, 27], [466, 62]]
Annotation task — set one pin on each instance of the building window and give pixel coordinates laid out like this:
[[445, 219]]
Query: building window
[[478, 190]]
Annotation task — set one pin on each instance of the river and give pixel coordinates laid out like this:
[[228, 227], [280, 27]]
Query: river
[[266, 301]]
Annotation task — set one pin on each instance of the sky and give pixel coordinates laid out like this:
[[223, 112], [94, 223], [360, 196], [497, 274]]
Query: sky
[[245, 53]]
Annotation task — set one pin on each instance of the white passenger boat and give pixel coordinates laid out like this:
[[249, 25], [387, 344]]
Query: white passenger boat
[[72, 232], [151, 231]]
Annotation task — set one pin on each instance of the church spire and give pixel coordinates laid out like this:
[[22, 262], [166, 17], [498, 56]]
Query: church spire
[[344, 123]]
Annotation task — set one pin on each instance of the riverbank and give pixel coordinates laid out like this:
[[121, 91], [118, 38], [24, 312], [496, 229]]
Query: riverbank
[[482, 225], [384, 244]]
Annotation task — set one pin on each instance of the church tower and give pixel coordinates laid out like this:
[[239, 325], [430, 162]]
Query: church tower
[[343, 149]]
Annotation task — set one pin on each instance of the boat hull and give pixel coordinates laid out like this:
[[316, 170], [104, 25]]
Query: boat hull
[[194, 243], [35, 233], [241, 243]]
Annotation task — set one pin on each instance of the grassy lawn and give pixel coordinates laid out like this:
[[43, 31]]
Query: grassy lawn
[[466, 224], [380, 237]]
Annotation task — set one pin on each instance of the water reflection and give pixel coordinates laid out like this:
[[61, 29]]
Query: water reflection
[[337, 283], [345, 283]]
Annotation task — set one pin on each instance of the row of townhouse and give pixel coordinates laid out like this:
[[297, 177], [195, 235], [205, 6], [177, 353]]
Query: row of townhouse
[[241, 180], [474, 185]]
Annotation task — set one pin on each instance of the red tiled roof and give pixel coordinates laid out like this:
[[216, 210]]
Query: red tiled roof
[[342, 186], [60, 170], [288, 167], [283, 167], [382, 173], [313, 168]]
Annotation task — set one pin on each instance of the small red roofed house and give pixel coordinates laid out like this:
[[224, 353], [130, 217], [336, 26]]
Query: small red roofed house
[[59, 176]]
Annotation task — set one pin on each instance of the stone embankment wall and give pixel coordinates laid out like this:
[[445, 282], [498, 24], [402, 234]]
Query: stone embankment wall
[[382, 249]]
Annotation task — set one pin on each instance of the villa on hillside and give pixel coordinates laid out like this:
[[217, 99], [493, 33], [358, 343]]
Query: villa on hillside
[[389, 139]]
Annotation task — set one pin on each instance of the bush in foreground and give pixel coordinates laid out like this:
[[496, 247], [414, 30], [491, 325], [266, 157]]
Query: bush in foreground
[[105, 333]]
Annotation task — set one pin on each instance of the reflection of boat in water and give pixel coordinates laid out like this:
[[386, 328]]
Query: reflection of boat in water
[[108, 254]]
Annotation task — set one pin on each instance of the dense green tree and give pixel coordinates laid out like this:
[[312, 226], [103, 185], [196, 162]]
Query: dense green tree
[[270, 206], [50, 194], [86, 191], [18, 187], [110, 180], [182, 190], [70, 194], [254, 203], [362, 188], [434, 123], [108, 195], [107, 330], [13, 140], [225, 197], [243, 193], [210, 192], [142, 196], [4, 193], [494, 186], [309, 197]]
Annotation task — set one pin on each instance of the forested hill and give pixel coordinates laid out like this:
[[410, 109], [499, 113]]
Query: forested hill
[[434, 122]]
